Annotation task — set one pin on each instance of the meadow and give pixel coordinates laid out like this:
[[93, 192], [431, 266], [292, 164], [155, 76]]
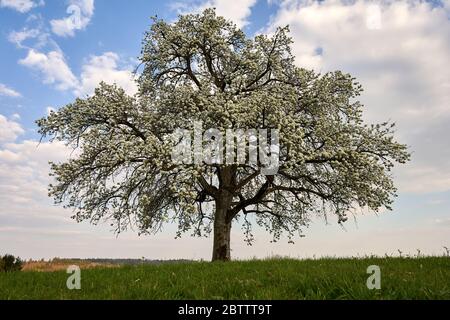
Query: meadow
[[327, 278]]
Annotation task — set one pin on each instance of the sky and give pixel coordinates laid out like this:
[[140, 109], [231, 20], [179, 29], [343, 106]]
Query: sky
[[53, 51]]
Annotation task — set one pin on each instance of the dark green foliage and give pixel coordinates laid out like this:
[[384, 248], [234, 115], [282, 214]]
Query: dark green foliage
[[9, 263]]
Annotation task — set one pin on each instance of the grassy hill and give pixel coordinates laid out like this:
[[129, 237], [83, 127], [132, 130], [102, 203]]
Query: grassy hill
[[401, 278]]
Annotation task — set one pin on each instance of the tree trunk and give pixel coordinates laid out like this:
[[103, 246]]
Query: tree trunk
[[222, 231]]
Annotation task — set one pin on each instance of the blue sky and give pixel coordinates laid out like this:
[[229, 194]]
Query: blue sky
[[398, 50]]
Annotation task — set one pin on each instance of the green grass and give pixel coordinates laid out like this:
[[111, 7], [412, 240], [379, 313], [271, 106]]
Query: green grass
[[401, 278]]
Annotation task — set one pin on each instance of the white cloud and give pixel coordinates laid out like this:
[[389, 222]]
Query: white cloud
[[105, 68], [24, 172], [80, 14], [24, 175], [34, 35], [18, 37], [399, 51], [22, 6], [8, 92], [9, 130], [53, 68], [237, 11]]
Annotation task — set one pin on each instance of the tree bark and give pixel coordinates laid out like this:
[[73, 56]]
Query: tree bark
[[222, 230]]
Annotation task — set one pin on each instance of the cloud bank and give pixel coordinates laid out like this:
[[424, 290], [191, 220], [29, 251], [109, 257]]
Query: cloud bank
[[399, 51], [21, 6]]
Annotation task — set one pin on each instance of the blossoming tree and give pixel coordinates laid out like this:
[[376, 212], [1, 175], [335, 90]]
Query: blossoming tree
[[203, 68]]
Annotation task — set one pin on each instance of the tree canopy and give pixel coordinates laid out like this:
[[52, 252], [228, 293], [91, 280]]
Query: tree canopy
[[203, 68]]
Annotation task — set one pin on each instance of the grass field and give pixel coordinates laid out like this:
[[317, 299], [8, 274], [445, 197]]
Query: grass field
[[401, 278]]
